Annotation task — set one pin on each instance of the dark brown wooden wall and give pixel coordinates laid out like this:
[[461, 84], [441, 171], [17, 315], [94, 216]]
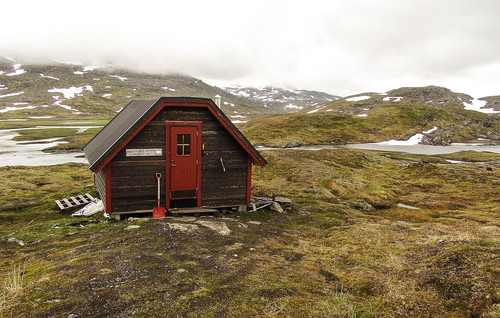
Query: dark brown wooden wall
[[133, 181], [100, 183]]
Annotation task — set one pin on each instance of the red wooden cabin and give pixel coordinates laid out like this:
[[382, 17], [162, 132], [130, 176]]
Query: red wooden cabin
[[204, 160]]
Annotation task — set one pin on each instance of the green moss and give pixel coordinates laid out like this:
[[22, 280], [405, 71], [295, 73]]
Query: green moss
[[37, 134]]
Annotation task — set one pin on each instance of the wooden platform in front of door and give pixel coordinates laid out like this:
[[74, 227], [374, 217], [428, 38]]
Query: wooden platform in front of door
[[194, 211]]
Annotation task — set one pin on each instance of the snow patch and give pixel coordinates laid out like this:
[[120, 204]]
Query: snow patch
[[10, 108], [59, 103], [455, 161], [72, 91], [12, 94], [46, 76], [118, 77], [238, 116], [478, 105], [405, 206], [89, 68], [107, 95], [69, 93], [85, 69], [315, 110], [362, 115], [292, 106], [394, 99], [414, 140], [239, 121], [357, 98], [430, 130], [3, 86], [17, 70], [168, 89], [242, 93]]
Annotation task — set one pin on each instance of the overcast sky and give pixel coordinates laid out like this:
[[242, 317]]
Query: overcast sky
[[340, 47]]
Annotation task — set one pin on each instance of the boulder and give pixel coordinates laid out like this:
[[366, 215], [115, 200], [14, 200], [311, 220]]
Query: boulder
[[293, 144], [219, 227], [440, 137], [362, 206]]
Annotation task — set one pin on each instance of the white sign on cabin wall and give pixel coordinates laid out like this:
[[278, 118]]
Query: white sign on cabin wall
[[144, 152]]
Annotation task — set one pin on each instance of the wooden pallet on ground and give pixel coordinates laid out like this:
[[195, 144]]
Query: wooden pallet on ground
[[72, 202]]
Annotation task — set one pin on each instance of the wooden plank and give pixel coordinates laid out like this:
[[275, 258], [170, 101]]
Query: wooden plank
[[81, 199], [68, 204], [74, 201], [126, 205], [224, 202], [131, 212], [138, 161], [60, 205], [191, 210]]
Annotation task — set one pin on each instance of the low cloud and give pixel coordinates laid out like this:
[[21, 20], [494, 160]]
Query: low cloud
[[339, 47]]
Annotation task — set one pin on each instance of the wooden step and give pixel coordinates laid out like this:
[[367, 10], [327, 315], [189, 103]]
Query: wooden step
[[195, 211]]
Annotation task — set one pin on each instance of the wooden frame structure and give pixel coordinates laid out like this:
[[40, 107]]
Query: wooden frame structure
[[205, 161]]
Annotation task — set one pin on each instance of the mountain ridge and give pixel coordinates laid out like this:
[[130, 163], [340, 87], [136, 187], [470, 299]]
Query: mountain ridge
[[270, 116], [101, 91], [34, 90]]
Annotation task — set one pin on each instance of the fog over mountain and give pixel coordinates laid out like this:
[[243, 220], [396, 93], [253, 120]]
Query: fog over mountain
[[340, 47]]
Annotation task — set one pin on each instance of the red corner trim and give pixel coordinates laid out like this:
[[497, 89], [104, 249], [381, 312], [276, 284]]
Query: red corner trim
[[108, 188], [249, 181]]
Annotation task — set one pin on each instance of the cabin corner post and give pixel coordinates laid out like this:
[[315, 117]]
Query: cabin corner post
[[167, 165], [199, 162], [107, 170], [249, 181]]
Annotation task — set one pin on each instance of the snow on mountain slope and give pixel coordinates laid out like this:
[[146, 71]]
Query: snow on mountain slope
[[434, 96], [288, 100]]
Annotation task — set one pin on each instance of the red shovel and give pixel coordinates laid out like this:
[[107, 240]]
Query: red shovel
[[158, 212]]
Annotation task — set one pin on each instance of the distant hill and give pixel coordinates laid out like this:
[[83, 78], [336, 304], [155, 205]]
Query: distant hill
[[279, 99], [67, 90], [445, 116], [269, 116], [430, 95]]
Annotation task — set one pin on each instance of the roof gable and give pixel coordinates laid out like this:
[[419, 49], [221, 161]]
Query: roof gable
[[133, 117]]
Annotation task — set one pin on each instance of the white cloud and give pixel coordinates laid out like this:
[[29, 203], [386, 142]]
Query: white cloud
[[342, 47]]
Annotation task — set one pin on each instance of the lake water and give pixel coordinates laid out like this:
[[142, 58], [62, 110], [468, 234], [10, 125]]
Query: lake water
[[26, 153], [29, 153], [418, 149]]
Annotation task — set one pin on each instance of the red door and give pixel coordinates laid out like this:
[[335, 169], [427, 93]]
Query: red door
[[183, 161]]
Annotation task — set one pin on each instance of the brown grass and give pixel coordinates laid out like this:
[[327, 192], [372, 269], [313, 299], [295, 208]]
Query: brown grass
[[346, 249]]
